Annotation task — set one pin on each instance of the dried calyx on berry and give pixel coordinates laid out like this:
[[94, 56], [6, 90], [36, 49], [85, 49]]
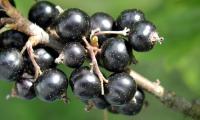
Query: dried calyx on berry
[[99, 40]]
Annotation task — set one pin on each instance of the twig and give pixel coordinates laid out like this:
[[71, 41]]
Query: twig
[[143, 82], [191, 109], [38, 35], [32, 57], [96, 69]]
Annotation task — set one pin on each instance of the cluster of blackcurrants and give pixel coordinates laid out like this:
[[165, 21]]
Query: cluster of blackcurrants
[[122, 95]]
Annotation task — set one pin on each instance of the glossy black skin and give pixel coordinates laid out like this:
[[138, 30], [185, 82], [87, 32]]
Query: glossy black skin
[[11, 64], [120, 89], [77, 72], [24, 89], [134, 106], [85, 84], [128, 18], [115, 55], [46, 57], [74, 54], [103, 21], [139, 95], [131, 53], [139, 38], [51, 85], [2, 13], [43, 13], [13, 39], [72, 24], [100, 102]]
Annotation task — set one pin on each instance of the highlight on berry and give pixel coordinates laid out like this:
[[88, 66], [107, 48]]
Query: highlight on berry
[[86, 45]]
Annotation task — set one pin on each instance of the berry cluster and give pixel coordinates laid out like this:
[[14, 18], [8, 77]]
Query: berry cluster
[[100, 39]]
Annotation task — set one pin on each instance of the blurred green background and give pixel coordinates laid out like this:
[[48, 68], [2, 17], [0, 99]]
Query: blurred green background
[[176, 62]]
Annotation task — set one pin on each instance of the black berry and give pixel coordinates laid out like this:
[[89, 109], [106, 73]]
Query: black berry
[[115, 56], [74, 54], [135, 105], [100, 102], [13, 39], [85, 84], [45, 57], [72, 24], [104, 22], [77, 72], [51, 85], [141, 36], [11, 65], [120, 88], [24, 89], [128, 18], [43, 13]]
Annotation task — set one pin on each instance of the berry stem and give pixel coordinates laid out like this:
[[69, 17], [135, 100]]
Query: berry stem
[[4, 21], [59, 9], [99, 32], [105, 115], [169, 99], [32, 57], [37, 34], [95, 66]]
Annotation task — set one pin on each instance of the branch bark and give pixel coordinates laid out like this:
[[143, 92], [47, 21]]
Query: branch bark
[[180, 104], [168, 98]]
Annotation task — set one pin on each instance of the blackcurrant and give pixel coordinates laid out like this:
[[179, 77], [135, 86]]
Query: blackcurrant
[[85, 84], [101, 20], [135, 105], [13, 39], [43, 13], [77, 72], [120, 88], [45, 57], [24, 88], [139, 96], [128, 18], [104, 22], [74, 54], [114, 54], [100, 102], [51, 85], [72, 24], [142, 35], [11, 64]]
